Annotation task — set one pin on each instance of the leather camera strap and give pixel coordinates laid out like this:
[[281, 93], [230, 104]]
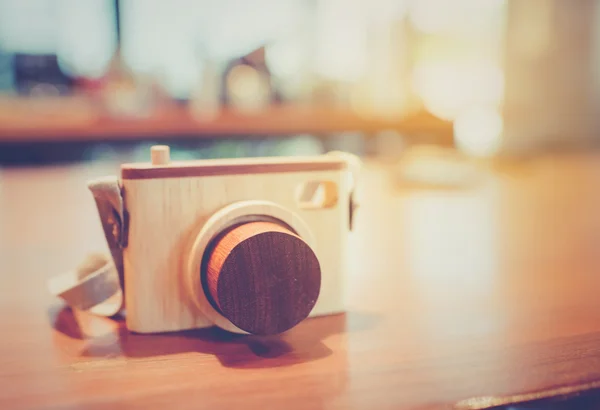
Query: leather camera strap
[[97, 285]]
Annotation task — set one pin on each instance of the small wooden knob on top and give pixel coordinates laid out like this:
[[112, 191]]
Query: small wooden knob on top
[[262, 277], [160, 154]]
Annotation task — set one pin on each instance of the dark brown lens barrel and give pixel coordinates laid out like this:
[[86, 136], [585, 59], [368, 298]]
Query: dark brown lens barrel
[[262, 277]]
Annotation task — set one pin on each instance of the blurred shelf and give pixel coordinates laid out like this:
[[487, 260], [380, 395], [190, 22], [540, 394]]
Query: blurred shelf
[[77, 119]]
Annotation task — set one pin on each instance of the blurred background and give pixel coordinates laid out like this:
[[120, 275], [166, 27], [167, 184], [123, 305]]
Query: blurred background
[[432, 91], [83, 80]]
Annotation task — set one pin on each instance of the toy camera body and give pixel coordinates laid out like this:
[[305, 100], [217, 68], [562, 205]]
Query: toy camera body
[[250, 245]]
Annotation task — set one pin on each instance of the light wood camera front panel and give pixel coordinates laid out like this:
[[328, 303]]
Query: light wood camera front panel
[[166, 214]]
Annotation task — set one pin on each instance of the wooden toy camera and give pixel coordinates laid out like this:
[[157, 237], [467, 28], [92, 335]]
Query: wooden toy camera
[[251, 245]]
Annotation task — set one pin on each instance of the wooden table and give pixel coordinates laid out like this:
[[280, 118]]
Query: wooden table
[[488, 291]]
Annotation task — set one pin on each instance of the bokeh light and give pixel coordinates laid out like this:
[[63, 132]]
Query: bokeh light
[[341, 52], [464, 16], [248, 88], [448, 87], [478, 131]]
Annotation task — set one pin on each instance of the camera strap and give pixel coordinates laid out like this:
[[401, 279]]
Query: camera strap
[[97, 284]]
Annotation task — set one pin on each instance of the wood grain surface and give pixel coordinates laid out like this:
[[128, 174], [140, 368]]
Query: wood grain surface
[[455, 298], [262, 277], [187, 213], [237, 166]]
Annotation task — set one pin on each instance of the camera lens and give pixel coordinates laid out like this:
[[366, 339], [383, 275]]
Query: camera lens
[[262, 277]]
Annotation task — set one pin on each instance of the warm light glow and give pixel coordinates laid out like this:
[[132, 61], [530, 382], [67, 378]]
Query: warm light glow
[[478, 131], [248, 88], [449, 245], [448, 88], [436, 16], [287, 58], [432, 16], [460, 231], [341, 52], [386, 11]]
